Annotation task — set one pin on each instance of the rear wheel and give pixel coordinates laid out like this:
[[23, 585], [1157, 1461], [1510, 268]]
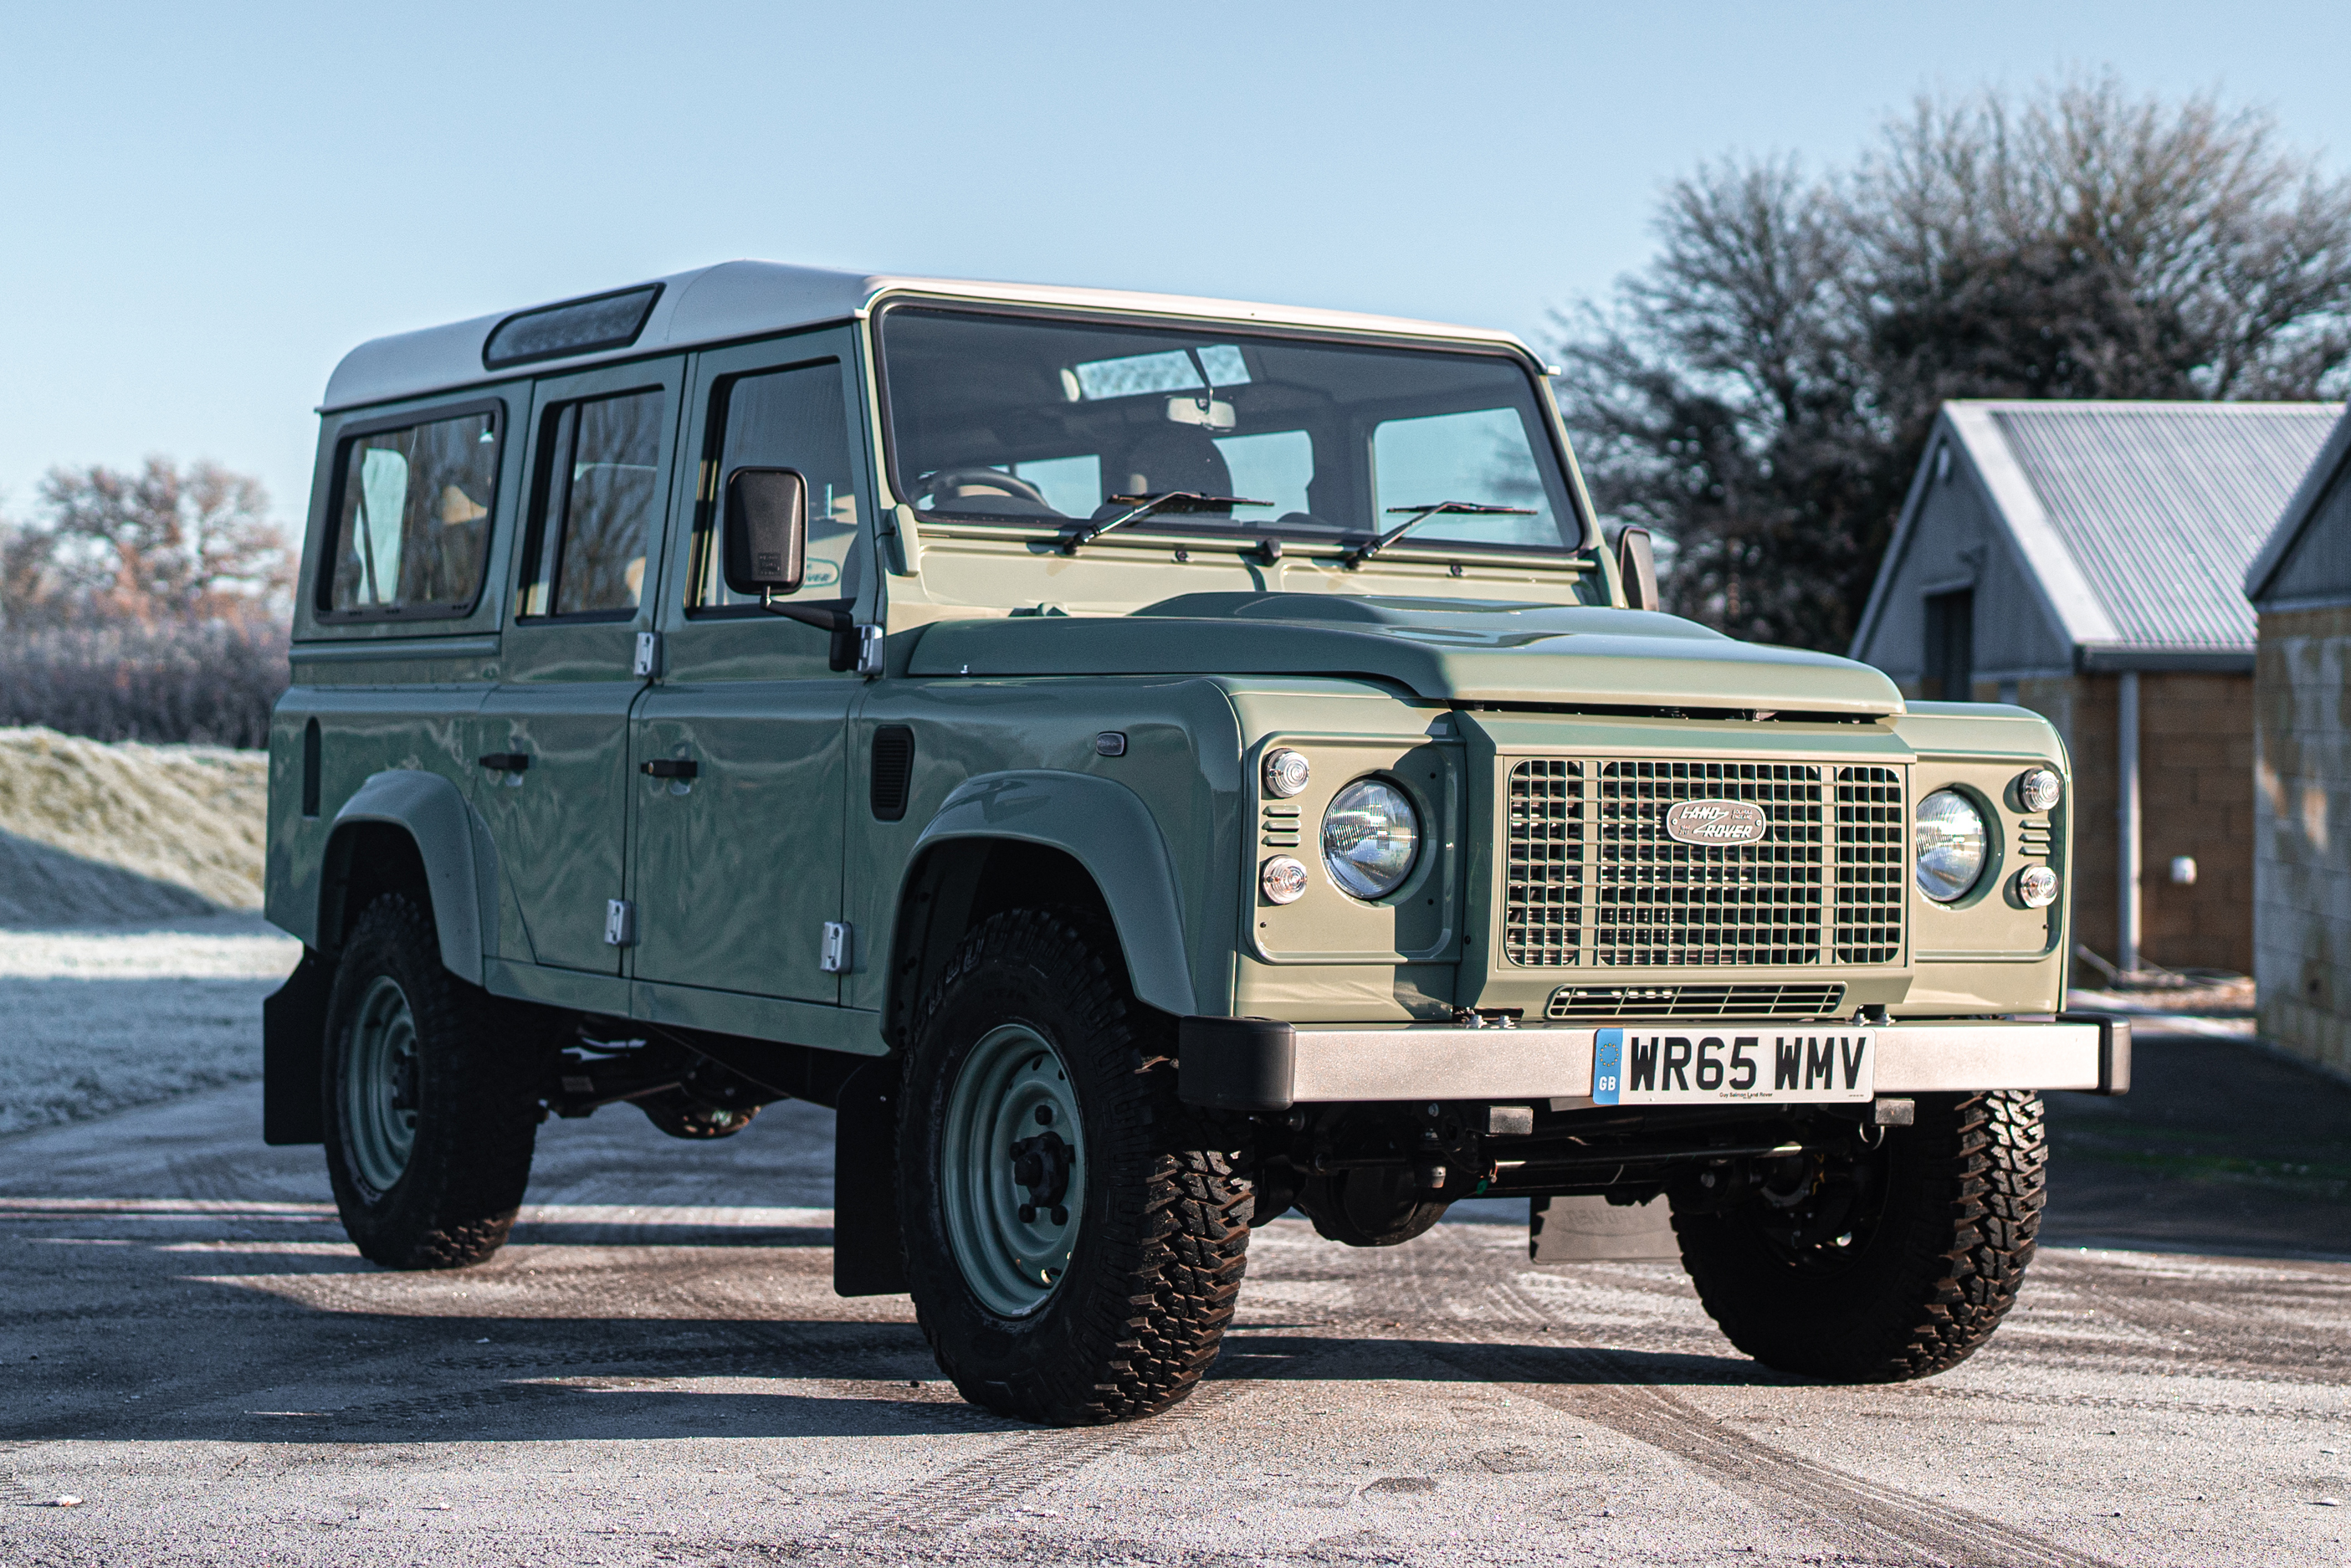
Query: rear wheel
[[1074, 1257], [1885, 1264], [431, 1097]]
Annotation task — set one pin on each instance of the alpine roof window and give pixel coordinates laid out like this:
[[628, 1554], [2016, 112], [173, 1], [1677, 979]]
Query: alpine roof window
[[412, 518], [577, 326]]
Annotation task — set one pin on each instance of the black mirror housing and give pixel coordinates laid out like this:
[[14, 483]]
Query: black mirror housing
[[766, 528], [1637, 563]]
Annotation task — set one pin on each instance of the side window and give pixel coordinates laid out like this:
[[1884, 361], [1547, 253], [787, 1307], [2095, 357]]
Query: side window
[[1482, 456], [413, 519], [595, 508], [785, 419]]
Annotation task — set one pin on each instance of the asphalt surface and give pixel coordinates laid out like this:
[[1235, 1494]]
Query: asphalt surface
[[656, 1370]]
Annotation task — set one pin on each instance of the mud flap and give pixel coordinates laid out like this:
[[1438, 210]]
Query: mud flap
[[293, 1051], [1593, 1230], [867, 1255]]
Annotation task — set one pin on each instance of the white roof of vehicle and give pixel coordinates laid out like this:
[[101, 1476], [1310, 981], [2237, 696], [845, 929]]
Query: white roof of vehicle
[[737, 300]]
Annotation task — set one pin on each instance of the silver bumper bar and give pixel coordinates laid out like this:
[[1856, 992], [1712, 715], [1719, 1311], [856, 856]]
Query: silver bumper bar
[[1264, 1064]]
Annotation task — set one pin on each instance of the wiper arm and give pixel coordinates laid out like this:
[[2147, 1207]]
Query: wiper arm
[[1366, 551], [1140, 506]]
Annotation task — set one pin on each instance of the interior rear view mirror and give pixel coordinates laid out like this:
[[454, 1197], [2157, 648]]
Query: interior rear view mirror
[[1637, 563], [1209, 412], [766, 530]]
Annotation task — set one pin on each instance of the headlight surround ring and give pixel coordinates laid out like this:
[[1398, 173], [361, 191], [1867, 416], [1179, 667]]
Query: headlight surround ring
[[1371, 838], [1952, 842]]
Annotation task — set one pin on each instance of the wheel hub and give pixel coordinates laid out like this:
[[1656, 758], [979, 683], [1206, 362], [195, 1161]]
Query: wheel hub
[[379, 1086], [1012, 1170]]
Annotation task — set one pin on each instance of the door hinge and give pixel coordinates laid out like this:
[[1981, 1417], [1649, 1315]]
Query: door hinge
[[649, 655], [868, 650], [840, 947], [620, 923]]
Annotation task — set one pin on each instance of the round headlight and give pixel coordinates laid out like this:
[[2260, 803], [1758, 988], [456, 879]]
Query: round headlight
[[1371, 836], [1952, 845], [2040, 789], [2036, 887], [1284, 879], [1285, 772]]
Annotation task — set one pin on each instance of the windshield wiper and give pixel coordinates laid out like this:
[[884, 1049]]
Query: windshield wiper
[[1366, 551], [1143, 506]]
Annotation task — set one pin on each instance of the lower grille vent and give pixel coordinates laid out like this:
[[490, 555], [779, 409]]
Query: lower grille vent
[[1696, 1001]]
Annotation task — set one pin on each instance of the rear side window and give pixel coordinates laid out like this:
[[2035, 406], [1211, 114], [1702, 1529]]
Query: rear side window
[[412, 507], [597, 507]]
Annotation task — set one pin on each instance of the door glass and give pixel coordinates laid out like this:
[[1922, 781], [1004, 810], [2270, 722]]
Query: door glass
[[596, 506], [786, 419], [414, 518]]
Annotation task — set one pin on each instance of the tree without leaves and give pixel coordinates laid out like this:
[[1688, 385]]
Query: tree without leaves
[[162, 546], [1763, 392]]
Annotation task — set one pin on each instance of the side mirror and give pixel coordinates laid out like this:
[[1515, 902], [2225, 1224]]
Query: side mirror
[[1637, 563], [766, 530]]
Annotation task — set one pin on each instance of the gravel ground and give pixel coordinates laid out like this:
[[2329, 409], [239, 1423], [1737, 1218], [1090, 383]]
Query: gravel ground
[[656, 1371], [98, 1022]]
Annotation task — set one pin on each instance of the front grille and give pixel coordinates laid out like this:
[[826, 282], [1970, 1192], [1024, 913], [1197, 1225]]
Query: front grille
[[1665, 903], [1870, 892], [1543, 918], [1696, 1001], [1592, 880]]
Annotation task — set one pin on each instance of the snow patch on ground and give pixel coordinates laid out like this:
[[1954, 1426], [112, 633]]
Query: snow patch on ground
[[95, 1022]]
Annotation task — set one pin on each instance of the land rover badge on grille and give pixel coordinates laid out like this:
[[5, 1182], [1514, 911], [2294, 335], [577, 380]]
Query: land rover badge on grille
[[1715, 822]]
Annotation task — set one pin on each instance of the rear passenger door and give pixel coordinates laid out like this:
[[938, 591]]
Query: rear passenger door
[[553, 735], [738, 867]]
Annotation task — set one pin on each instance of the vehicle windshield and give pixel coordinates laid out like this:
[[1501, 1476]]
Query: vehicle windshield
[[1006, 419]]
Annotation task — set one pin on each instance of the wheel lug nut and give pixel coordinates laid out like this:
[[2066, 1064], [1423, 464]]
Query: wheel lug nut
[[1028, 1214], [1045, 1116], [1060, 1215]]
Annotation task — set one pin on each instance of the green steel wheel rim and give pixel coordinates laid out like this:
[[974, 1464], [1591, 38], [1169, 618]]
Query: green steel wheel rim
[[380, 1085], [1012, 1170]]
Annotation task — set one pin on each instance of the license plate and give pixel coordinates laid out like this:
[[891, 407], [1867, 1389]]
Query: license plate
[[1634, 1067]]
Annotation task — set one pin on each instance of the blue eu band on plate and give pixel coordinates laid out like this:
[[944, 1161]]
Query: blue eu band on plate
[[1632, 1066]]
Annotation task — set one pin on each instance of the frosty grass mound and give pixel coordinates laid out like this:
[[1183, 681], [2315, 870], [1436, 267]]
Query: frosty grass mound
[[132, 959]]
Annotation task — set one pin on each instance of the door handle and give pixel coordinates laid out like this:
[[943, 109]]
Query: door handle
[[669, 768], [507, 761]]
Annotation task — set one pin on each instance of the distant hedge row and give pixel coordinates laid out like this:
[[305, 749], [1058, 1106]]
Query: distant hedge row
[[211, 685]]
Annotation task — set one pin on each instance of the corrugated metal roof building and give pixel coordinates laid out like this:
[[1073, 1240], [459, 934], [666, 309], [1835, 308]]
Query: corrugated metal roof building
[[2087, 560], [2301, 585]]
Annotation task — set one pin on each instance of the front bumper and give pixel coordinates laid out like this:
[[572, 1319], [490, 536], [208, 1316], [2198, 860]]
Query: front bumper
[[1264, 1064]]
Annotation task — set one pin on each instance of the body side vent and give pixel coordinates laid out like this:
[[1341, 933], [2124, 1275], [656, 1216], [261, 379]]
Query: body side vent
[[893, 771]]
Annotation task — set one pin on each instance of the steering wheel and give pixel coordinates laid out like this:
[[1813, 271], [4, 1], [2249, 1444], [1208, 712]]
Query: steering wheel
[[940, 479]]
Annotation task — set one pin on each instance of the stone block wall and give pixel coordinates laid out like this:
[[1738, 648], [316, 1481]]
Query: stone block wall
[[2196, 799], [2301, 863]]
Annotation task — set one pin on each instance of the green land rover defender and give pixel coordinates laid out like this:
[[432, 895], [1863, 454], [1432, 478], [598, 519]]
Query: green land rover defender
[[1147, 764]]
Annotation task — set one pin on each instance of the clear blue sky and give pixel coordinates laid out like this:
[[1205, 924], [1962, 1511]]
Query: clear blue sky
[[202, 208]]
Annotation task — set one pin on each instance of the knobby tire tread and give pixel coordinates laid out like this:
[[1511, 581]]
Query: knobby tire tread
[[1962, 1224], [1168, 1260]]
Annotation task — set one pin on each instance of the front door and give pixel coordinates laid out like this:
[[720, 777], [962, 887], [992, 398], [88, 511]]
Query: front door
[[553, 736], [738, 866]]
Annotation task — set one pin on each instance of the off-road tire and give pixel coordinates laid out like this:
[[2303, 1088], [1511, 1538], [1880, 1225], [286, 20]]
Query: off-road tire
[[1926, 1279], [1162, 1234], [478, 1063]]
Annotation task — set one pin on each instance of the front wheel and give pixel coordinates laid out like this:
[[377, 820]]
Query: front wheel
[[431, 1097], [1074, 1257], [1874, 1266]]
